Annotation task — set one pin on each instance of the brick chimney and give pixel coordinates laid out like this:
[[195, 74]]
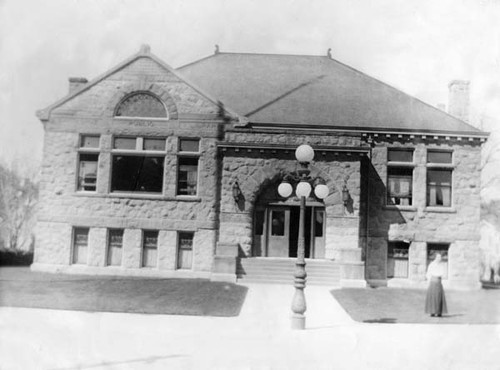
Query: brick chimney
[[76, 82], [458, 103]]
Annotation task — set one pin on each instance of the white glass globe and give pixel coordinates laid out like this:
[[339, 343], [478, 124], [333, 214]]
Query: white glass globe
[[285, 189], [321, 191], [304, 153], [303, 189]]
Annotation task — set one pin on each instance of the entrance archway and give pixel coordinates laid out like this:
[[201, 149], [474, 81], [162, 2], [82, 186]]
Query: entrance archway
[[276, 226]]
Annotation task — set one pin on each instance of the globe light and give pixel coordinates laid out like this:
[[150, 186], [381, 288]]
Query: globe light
[[321, 191], [304, 153], [303, 189], [285, 189]]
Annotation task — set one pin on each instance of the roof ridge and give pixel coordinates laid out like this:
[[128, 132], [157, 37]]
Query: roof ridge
[[248, 53]]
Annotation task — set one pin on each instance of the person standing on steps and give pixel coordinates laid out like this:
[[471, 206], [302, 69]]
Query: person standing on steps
[[435, 301]]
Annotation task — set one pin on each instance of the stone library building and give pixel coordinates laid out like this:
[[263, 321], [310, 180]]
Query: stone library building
[[150, 170]]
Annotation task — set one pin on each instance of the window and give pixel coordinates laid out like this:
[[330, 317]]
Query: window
[[441, 248], [185, 250], [277, 223], [115, 244], [154, 144], [149, 248], [87, 172], [89, 141], [187, 177], [135, 168], [319, 221], [80, 245], [439, 178], [189, 145], [88, 158], [142, 105], [187, 171], [397, 259], [400, 177]]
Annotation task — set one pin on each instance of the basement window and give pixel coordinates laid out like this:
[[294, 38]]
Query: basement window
[[397, 259], [115, 245], [185, 250], [80, 245], [149, 248]]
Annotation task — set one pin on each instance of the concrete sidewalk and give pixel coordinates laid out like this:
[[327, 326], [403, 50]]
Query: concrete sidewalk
[[260, 338]]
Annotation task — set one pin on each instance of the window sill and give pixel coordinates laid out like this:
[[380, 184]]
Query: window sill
[[179, 198], [440, 209], [400, 208]]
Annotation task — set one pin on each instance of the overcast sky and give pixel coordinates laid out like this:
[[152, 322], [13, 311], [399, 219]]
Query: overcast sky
[[417, 46]]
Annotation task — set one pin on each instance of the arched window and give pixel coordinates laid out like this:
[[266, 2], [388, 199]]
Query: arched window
[[141, 104]]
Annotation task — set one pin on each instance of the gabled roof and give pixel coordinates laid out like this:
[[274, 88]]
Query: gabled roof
[[144, 52], [314, 91]]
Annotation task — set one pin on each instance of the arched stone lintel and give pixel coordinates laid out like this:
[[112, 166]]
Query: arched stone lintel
[[146, 86], [266, 176]]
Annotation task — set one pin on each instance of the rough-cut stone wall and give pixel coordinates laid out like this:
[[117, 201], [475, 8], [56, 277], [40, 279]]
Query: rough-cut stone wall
[[62, 207], [99, 100], [257, 170], [457, 225]]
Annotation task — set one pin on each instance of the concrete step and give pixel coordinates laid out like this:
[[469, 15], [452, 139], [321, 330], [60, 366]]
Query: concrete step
[[269, 270]]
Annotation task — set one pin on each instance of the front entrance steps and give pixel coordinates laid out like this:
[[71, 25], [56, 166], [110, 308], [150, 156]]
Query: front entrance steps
[[281, 271]]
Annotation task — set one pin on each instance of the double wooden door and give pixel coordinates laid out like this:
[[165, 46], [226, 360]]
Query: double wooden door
[[277, 230]]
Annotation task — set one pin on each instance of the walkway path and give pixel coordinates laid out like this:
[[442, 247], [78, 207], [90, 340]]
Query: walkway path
[[260, 338]]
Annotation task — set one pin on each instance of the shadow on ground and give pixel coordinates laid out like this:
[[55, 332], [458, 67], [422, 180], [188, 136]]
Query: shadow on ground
[[19, 287], [393, 305]]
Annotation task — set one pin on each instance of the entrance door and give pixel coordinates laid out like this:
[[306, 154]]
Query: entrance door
[[278, 231], [281, 227]]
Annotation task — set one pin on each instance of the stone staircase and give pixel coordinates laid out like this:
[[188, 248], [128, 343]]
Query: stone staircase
[[281, 271]]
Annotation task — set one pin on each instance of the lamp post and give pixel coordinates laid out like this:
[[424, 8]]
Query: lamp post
[[304, 154]]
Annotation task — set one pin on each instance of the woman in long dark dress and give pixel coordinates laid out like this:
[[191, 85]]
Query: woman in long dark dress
[[435, 302]]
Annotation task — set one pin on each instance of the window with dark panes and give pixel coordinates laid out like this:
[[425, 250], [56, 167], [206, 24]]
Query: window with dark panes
[[277, 223], [439, 178], [115, 245], [397, 259], [400, 177], [136, 173], [80, 245], [149, 248], [134, 167], [400, 155], [185, 250], [187, 176]]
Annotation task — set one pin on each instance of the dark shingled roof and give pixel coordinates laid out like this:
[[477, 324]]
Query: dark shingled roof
[[313, 91]]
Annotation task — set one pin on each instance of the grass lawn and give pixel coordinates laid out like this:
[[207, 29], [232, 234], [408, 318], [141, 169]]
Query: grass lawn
[[391, 305], [19, 287]]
